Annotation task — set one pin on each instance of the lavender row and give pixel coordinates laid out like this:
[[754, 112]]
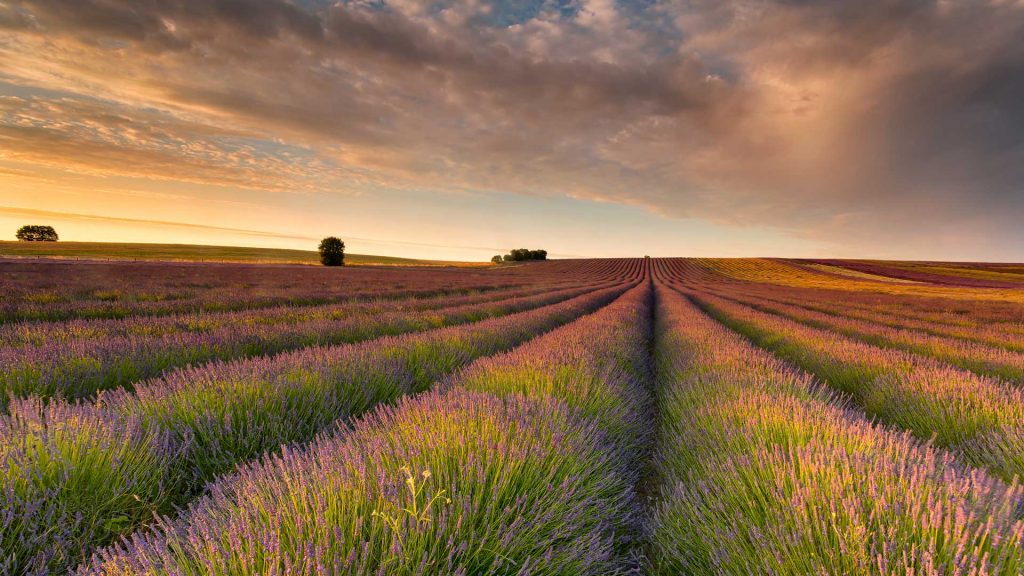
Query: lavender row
[[29, 334], [523, 464], [763, 472], [963, 308], [56, 290], [965, 312], [980, 418], [622, 269], [77, 476], [981, 358], [79, 368], [901, 316], [60, 290], [931, 273]]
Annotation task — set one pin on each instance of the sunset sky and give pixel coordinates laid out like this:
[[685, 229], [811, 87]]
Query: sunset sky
[[461, 129]]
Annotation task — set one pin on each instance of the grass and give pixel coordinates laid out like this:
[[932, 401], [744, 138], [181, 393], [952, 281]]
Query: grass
[[199, 253]]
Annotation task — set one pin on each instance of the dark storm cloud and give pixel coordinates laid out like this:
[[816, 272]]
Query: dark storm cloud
[[153, 22], [831, 119]]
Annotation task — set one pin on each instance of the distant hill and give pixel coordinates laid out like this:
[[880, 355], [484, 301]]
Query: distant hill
[[198, 253]]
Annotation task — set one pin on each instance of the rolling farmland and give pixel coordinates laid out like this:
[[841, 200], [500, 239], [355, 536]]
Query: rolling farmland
[[617, 416]]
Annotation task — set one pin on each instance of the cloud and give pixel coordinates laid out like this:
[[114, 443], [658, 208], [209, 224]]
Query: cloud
[[33, 213], [832, 120], [100, 137]]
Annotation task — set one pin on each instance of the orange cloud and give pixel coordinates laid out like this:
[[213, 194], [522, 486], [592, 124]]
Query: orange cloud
[[830, 120]]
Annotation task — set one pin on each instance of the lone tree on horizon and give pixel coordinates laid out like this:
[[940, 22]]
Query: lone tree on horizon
[[332, 251], [35, 233]]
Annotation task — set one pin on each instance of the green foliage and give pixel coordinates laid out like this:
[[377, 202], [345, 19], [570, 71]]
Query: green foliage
[[497, 259], [74, 481], [416, 513], [332, 251], [522, 255], [36, 234]]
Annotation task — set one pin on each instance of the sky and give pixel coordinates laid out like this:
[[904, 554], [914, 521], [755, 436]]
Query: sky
[[462, 129]]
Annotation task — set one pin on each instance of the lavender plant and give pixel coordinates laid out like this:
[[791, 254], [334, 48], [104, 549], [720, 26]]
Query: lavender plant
[[527, 477], [102, 359], [219, 415], [763, 472]]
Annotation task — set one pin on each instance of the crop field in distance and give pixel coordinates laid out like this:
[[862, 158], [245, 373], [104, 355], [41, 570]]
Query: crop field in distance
[[566, 417], [196, 253]]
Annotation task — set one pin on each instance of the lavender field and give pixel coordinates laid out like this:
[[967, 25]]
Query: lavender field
[[617, 416]]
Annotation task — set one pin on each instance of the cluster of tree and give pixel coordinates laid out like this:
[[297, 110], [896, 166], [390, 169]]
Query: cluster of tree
[[521, 255], [36, 234], [332, 251]]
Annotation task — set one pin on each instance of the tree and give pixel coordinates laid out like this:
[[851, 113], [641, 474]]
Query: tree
[[522, 255], [497, 259], [36, 234], [332, 251]]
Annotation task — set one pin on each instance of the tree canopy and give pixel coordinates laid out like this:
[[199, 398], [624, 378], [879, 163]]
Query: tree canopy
[[35, 233], [521, 255], [332, 251]]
